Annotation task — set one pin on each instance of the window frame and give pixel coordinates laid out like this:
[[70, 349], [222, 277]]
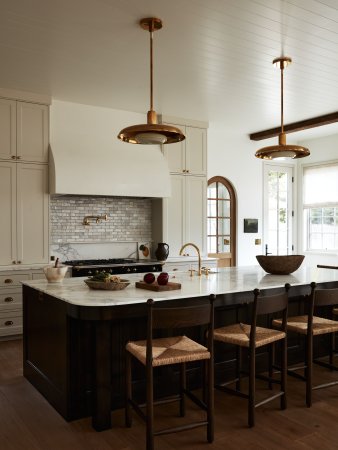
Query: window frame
[[233, 214]]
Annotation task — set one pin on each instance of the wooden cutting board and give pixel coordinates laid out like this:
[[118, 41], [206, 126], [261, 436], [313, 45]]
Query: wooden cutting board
[[157, 287]]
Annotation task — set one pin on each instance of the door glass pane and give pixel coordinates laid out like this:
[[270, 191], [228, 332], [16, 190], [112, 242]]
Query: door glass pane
[[223, 226], [212, 210], [212, 244], [212, 226], [224, 208], [224, 244], [212, 191], [223, 192]]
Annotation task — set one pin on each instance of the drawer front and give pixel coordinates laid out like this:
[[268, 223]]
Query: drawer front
[[13, 279], [10, 300], [10, 323]]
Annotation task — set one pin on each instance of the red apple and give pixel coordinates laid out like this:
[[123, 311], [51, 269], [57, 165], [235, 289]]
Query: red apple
[[163, 278], [149, 278]]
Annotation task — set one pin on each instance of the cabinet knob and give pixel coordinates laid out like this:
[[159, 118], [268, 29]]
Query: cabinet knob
[[18, 157], [19, 262], [9, 299], [13, 157], [8, 281], [13, 262], [183, 170], [188, 171], [8, 323]]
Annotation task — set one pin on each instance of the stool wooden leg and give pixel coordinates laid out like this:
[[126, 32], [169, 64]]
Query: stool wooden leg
[[238, 367], [283, 373], [183, 385], [308, 371], [150, 409], [128, 418], [252, 383], [210, 407], [271, 362], [332, 349]]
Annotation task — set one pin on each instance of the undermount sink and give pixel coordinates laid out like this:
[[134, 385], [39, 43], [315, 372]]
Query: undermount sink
[[280, 265]]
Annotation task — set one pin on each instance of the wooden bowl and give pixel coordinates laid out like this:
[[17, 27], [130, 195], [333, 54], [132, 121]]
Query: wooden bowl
[[109, 286], [280, 265]]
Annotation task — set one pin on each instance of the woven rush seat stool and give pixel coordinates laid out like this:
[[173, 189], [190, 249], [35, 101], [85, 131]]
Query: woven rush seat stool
[[251, 336], [181, 350], [309, 326]]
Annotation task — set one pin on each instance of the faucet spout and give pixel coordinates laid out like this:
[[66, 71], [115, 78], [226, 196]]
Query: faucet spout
[[198, 255]]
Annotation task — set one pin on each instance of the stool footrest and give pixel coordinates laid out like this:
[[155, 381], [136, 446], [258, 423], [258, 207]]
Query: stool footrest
[[321, 386], [195, 399], [189, 426], [269, 399], [325, 364], [231, 391]]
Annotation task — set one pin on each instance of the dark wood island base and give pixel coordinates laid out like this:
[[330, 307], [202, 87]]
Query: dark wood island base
[[74, 354]]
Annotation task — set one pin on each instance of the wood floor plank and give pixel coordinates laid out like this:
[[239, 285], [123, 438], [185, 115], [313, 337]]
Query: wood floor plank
[[28, 422]]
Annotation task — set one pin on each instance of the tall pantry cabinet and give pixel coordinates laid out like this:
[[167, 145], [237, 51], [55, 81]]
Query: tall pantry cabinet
[[23, 182], [182, 217]]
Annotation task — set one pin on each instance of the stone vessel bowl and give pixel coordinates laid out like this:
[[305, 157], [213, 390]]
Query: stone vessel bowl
[[55, 274], [280, 265]]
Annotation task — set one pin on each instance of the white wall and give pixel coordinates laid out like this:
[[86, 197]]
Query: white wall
[[232, 155], [322, 149]]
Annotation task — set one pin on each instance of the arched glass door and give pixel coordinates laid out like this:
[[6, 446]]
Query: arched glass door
[[222, 221]]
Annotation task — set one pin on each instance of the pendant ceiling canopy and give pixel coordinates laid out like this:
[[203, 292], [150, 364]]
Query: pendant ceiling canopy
[[152, 132], [282, 150]]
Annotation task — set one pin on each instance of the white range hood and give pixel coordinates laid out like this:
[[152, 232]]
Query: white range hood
[[86, 157]]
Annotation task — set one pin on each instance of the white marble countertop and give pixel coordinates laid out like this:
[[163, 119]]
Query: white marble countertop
[[225, 281], [22, 267]]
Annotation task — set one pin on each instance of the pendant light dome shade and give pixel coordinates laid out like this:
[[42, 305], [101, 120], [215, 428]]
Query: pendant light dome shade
[[151, 133], [282, 150]]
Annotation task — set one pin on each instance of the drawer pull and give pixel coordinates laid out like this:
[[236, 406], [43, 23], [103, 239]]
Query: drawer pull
[[9, 299], [9, 323], [8, 280]]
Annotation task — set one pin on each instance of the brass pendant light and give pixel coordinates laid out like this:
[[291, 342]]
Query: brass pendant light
[[151, 133], [282, 150]]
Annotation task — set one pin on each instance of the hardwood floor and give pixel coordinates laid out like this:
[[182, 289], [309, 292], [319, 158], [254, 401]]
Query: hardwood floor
[[28, 422]]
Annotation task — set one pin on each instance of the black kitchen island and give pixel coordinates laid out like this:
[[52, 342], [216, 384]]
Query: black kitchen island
[[74, 337]]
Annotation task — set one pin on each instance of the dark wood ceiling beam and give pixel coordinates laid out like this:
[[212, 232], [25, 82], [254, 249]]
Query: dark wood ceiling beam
[[319, 121]]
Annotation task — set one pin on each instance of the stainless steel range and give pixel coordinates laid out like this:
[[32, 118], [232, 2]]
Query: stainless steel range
[[88, 267]]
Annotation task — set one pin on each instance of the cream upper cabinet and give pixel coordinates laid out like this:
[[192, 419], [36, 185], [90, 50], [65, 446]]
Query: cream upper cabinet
[[7, 129], [184, 213], [23, 131], [32, 132], [188, 156]]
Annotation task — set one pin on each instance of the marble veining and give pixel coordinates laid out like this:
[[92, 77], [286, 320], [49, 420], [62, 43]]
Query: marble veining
[[225, 281]]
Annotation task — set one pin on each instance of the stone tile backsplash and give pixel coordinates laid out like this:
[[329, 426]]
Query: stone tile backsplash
[[129, 219]]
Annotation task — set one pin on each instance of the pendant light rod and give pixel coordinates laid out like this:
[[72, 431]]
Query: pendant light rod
[[151, 133], [282, 150], [151, 32], [282, 97]]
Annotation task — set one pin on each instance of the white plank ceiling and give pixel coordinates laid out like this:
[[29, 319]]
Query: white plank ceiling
[[212, 57]]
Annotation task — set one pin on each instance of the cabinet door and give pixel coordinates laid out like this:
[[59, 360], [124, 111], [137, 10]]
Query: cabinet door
[[8, 212], [175, 154], [32, 213], [195, 210], [32, 132], [174, 215], [7, 129], [196, 154]]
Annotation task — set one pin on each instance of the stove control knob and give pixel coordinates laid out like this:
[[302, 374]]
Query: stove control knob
[[134, 269], [110, 271], [154, 269], [89, 272], [96, 271], [128, 269]]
